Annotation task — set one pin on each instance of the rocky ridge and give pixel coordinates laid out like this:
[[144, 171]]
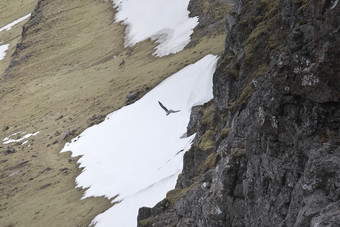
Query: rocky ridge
[[266, 151], [64, 71]]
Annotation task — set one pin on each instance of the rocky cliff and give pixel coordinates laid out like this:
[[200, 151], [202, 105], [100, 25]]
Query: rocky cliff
[[66, 69], [266, 151]]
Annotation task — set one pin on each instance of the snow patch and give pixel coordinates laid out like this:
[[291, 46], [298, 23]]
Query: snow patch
[[134, 153], [7, 140], [14, 134], [14, 173], [10, 25], [3, 49], [165, 21]]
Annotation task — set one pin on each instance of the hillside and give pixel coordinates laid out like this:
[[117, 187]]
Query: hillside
[[66, 69], [264, 151]]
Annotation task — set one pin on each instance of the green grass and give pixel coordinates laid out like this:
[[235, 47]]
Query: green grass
[[208, 113], [207, 141], [238, 152], [210, 162], [174, 195], [225, 132]]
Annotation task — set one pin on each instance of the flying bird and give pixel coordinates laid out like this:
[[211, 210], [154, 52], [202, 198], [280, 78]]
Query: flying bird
[[166, 109]]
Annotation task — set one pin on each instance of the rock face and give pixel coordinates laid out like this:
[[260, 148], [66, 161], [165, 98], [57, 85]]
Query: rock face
[[266, 151], [36, 17], [210, 14], [211, 17]]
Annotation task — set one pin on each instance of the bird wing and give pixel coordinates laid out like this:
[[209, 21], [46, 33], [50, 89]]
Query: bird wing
[[166, 110]]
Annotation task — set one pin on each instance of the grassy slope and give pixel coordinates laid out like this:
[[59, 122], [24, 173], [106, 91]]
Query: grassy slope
[[73, 71]]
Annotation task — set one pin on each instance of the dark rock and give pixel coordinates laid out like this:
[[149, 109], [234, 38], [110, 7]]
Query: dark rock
[[5, 128], [194, 118], [211, 16], [60, 117], [276, 89], [132, 97], [18, 56], [65, 171], [122, 63], [129, 52], [46, 186], [165, 219], [55, 142], [10, 150], [184, 222], [44, 170], [143, 213], [329, 214], [67, 134], [95, 119]]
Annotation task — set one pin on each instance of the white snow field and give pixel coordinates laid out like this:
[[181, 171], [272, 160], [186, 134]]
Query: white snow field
[[166, 21], [137, 151], [10, 25], [3, 49]]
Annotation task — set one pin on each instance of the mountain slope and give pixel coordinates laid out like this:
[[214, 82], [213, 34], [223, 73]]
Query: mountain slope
[[69, 69]]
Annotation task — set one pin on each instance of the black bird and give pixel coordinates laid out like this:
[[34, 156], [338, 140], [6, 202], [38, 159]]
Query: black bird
[[166, 110]]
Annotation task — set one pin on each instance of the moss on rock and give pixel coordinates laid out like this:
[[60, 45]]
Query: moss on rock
[[174, 195], [210, 162], [225, 132], [207, 141]]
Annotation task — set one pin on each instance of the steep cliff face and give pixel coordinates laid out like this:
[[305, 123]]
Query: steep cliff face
[[211, 15], [266, 152], [65, 70]]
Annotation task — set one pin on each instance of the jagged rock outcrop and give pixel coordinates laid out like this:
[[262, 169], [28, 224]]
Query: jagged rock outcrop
[[210, 13], [211, 17], [266, 152], [36, 17]]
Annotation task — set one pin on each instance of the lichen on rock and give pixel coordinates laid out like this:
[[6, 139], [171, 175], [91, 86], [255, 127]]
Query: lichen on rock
[[273, 137]]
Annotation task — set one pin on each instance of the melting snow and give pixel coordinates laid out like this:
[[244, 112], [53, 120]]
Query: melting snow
[[134, 153], [7, 140], [16, 133], [166, 21], [3, 49], [10, 25]]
